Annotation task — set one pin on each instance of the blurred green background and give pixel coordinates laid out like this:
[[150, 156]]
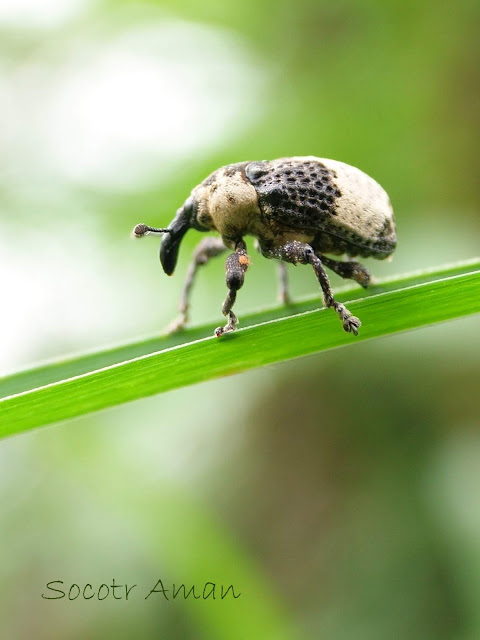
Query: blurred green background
[[340, 493]]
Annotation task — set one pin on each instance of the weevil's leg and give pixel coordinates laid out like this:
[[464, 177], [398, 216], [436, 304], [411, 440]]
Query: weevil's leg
[[350, 322], [206, 249], [351, 270], [236, 265], [283, 292], [300, 252]]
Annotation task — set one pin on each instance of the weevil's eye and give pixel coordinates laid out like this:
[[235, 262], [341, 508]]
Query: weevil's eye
[[190, 210]]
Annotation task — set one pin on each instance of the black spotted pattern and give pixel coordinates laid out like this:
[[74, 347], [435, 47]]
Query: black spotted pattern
[[297, 194]]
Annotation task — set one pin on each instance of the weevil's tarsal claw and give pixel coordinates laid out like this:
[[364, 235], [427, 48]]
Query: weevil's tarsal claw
[[143, 230], [351, 323]]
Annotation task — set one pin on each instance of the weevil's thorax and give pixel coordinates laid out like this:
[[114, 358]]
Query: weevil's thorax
[[227, 202]]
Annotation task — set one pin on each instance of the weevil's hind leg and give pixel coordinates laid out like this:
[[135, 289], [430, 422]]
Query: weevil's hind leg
[[283, 294], [350, 322], [300, 252], [236, 265], [283, 291], [206, 249], [351, 270]]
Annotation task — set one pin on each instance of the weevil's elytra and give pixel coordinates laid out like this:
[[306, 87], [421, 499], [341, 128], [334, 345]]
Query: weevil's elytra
[[327, 197], [298, 209]]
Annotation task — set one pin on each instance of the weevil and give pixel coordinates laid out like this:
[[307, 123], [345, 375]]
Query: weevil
[[298, 209]]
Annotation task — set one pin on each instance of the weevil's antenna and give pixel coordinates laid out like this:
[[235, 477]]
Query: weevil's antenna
[[143, 230]]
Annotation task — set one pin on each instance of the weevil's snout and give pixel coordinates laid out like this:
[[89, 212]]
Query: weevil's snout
[[171, 242]]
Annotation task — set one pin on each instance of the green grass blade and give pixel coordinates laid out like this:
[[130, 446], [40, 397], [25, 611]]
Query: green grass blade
[[56, 371], [73, 387]]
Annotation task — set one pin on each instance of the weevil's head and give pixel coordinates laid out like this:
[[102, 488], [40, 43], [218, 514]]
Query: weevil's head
[[224, 202], [186, 218], [194, 214]]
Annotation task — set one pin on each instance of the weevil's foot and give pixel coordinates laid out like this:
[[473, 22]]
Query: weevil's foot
[[178, 324], [219, 331], [230, 326], [351, 324]]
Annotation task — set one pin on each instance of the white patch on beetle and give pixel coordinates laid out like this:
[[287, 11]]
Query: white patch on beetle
[[229, 202], [364, 205]]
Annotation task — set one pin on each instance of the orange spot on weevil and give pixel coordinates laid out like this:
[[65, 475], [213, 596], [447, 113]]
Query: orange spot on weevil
[[244, 260]]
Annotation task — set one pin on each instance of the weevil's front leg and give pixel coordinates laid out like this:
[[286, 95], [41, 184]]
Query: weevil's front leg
[[206, 249], [351, 270], [236, 265], [300, 252]]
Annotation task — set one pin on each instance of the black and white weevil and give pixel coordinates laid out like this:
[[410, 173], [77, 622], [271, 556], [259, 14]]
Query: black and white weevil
[[298, 209]]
